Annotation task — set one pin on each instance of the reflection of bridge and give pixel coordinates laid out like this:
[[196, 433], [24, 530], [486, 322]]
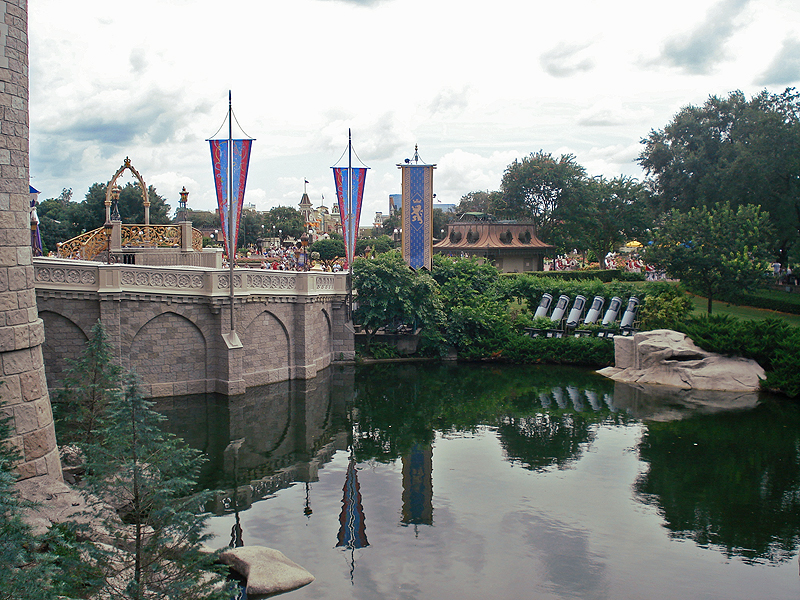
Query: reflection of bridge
[[167, 323]]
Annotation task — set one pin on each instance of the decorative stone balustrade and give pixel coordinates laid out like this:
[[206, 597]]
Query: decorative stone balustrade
[[56, 274]]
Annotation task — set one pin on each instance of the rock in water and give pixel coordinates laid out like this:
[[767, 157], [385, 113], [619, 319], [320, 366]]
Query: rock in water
[[667, 357], [267, 571]]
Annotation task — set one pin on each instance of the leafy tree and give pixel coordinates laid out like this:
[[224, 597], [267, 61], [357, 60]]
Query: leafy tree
[[204, 219], [484, 202], [617, 212], [90, 383], [149, 474], [286, 219], [715, 251], [130, 205], [60, 219], [548, 191], [390, 294], [736, 150], [440, 221], [329, 250], [388, 226]]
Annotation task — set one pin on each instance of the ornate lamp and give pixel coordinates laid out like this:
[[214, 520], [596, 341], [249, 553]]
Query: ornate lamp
[[115, 203]]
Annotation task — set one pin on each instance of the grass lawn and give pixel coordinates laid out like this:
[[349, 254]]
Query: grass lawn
[[741, 312]]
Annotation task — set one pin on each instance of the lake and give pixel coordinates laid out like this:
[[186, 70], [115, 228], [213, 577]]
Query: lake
[[414, 481]]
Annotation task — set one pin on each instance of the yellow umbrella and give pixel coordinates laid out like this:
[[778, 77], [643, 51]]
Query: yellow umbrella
[[633, 244]]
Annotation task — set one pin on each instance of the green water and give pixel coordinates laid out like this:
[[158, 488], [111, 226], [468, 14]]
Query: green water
[[506, 482]]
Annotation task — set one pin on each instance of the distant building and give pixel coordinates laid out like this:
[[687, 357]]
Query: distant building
[[395, 204], [448, 208], [510, 246]]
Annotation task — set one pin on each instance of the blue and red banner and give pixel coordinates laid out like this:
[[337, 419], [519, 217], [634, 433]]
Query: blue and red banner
[[417, 218], [239, 165], [350, 194]]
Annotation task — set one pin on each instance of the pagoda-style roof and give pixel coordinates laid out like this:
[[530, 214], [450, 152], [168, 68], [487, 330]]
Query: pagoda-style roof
[[480, 236]]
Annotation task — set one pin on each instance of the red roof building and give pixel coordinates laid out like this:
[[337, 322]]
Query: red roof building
[[510, 246]]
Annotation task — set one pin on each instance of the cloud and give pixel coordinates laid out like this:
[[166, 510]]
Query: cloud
[[450, 100], [565, 60], [698, 51], [138, 60], [785, 67], [378, 137], [459, 172]]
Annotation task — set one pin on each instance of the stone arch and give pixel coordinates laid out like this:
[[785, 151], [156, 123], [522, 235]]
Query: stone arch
[[267, 350], [63, 339], [142, 185], [168, 349]]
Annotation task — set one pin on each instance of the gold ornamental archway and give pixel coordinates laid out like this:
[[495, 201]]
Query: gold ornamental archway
[[111, 186]]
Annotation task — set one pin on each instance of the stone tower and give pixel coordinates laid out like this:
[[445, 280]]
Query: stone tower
[[23, 390]]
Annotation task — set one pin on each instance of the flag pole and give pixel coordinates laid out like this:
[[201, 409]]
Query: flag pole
[[231, 225], [350, 228]]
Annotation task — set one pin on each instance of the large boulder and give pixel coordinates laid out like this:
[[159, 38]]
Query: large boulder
[[267, 571], [667, 357]]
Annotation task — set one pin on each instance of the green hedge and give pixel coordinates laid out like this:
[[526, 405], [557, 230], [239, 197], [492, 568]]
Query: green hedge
[[780, 301], [772, 343], [593, 352]]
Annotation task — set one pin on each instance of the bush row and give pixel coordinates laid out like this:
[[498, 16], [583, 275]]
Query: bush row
[[772, 343], [767, 301]]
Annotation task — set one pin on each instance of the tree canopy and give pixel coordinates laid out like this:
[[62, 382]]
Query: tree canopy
[[548, 191], [714, 251], [733, 150]]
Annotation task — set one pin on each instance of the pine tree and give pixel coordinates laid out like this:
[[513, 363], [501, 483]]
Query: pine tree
[[22, 574], [90, 383], [149, 474]]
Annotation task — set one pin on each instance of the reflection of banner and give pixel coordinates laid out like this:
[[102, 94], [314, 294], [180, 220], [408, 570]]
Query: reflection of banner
[[350, 205], [418, 485], [417, 214], [241, 161], [352, 524]]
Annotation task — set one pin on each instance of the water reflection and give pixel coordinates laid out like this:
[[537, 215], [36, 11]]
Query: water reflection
[[721, 470]]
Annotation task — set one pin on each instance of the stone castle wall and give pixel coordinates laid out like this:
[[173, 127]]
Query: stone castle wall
[[290, 326], [23, 390]]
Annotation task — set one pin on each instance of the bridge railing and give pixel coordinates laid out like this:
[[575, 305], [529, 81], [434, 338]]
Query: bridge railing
[[70, 275]]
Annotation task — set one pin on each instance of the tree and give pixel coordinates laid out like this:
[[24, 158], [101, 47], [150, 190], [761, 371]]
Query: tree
[[60, 219], [204, 219], [22, 574], [548, 191], [732, 150], [149, 474], [130, 205], [390, 294], [715, 251], [329, 250], [286, 219], [617, 211], [90, 383], [483, 202]]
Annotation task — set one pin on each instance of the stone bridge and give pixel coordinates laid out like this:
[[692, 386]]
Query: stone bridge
[[168, 323]]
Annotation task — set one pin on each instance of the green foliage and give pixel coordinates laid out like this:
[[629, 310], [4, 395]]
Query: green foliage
[[75, 562], [149, 474], [663, 307], [90, 383], [732, 149], [768, 299], [714, 251], [390, 294], [383, 351], [24, 572], [618, 212], [130, 205], [772, 343], [549, 192], [588, 351], [329, 250]]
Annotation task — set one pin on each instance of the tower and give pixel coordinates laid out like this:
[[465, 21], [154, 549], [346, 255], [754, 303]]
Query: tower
[[23, 390]]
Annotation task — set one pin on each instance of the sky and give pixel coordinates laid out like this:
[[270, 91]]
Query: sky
[[475, 85]]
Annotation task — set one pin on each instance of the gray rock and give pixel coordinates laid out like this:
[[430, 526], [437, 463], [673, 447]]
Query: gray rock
[[267, 571], [667, 357]]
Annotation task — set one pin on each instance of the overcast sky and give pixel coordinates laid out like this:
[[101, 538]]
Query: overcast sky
[[475, 84]]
